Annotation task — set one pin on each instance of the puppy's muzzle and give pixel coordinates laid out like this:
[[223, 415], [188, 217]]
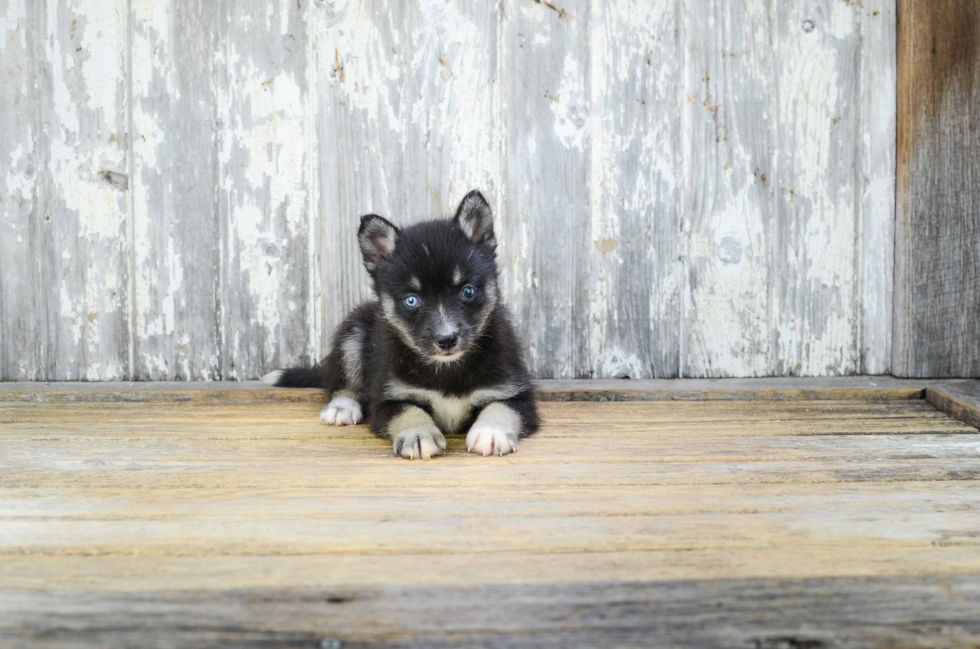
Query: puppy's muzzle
[[447, 341]]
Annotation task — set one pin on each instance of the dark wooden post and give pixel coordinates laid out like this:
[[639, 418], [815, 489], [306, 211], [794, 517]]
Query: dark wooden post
[[937, 234]]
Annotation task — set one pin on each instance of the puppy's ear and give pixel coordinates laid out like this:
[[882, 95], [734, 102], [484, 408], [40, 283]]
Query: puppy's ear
[[377, 237], [475, 219]]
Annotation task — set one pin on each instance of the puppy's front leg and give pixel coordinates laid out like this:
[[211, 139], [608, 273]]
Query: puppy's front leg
[[496, 430], [413, 433]]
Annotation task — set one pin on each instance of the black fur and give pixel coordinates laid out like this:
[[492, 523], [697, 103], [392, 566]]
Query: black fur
[[399, 345]]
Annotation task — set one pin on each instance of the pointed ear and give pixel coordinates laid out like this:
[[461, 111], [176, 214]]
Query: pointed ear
[[475, 219], [377, 237]]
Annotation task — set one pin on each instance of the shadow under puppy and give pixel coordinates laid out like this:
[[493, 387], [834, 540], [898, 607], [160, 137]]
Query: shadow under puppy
[[436, 353]]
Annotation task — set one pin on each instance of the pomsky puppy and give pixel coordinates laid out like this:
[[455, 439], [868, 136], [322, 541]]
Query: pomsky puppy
[[436, 353]]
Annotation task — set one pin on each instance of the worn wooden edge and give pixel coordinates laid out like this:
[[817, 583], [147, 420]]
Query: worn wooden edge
[[959, 400], [904, 611], [949, 393]]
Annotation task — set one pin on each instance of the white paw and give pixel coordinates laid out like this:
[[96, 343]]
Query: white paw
[[488, 438], [342, 411], [423, 443]]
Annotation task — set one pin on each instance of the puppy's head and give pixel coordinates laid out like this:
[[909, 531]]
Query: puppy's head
[[437, 280]]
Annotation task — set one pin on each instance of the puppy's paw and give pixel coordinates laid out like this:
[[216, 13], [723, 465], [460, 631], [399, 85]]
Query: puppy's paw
[[424, 442], [491, 438], [342, 411]]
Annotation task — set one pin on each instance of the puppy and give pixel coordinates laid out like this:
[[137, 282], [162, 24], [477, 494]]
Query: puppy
[[436, 353]]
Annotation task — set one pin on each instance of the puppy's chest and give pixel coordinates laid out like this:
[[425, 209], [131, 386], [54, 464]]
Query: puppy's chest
[[451, 413]]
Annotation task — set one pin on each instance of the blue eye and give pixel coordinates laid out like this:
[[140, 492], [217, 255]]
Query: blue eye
[[468, 292], [411, 301]]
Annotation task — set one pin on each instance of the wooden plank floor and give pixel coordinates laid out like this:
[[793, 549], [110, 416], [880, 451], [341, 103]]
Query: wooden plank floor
[[722, 523]]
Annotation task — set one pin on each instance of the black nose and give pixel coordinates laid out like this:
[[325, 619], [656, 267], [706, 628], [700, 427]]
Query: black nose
[[447, 341]]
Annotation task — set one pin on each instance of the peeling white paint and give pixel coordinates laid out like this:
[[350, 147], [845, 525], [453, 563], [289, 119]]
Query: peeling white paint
[[327, 110], [817, 192], [570, 107]]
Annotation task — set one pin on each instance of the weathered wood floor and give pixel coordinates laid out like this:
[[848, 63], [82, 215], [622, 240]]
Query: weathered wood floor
[[236, 521]]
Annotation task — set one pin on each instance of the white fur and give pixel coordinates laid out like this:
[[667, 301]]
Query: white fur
[[351, 352], [457, 276], [451, 412], [495, 431], [416, 434], [448, 358], [272, 378], [343, 410]]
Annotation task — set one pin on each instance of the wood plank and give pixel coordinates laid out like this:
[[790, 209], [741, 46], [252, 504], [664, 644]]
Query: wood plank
[[937, 260], [546, 81], [175, 237], [477, 522], [815, 184], [23, 504], [199, 511], [958, 400], [407, 124], [82, 247], [655, 443], [729, 142], [18, 201], [877, 183], [829, 612], [782, 388], [265, 156], [635, 151], [91, 573], [776, 417]]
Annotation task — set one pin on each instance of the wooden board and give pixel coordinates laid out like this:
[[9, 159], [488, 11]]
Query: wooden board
[[682, 188], [878, 388], [265, 186], [251, 523], [729, 113], [924, 612], [80, 306], [18, 201], [635, 236], [545, 81], [937, 259], [877, 184], [175, 298], [960, 400]]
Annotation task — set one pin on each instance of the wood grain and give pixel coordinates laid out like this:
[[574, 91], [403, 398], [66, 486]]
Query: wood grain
[[635, 183], [176, 247], [878, 388], [82, 250], [959, 400], [937, 260], [877, 183], [547, 121], [19, 347], [915, 612], [730, 115], [264, 197], [246, 521], [815, 303], [683, 187]]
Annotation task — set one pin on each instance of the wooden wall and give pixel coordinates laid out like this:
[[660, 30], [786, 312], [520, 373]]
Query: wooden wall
[[682, 187], [937, 256]]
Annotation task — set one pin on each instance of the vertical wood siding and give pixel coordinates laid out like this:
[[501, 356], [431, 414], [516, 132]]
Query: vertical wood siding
[[937, 238], [682, 187]]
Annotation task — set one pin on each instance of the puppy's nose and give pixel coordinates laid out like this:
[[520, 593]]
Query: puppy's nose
[[447, 341]]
